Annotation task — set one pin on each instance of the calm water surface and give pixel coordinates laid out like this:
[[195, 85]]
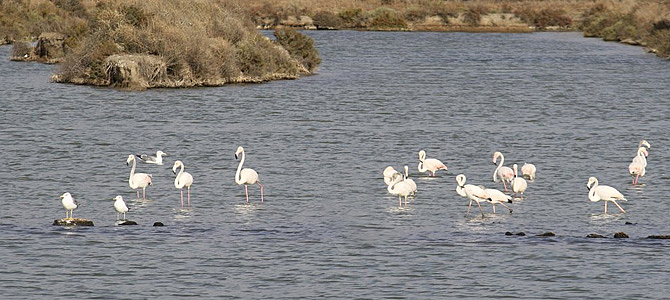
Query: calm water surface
[[574, 107]]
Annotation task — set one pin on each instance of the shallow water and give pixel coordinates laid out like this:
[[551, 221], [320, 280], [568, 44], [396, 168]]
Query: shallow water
[[574, 107]]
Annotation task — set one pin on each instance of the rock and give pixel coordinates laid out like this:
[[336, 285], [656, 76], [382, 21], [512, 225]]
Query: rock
[[50, 47], [127, 222], [158, 224], [547, 234], [595, 236], [521, 234], [630, 42], [629, 223], [509, 233], [72, 222], [659, 237], [620, 235]]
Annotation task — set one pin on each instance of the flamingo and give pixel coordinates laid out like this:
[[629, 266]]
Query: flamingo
[[401, 188], [69, 203], [246, 176], [519, 184], [472, 192], [183, 179], [120, 207], [157, 160], [638, 166], [502, 173], [409, 180], [429, 164], [604, 193], [644, 143], [528, 171], [137, 180], [388, 174], [497, 197]]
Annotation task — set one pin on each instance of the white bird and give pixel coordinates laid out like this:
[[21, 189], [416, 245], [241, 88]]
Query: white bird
[[429, 164], [120, 207], [69, 203], [137, 180], [409, 180], [604, 193], [388, 174], [246, 176], [401, 188], [502, 173], [183, 179], [644, 143], [528, 171], [638, 167], [497, 197], [158, 159], [519, 184], [472, 192]]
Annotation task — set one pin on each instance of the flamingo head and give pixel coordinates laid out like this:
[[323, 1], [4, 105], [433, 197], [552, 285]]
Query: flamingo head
[[238, 152], [130, 158], [422, 155], [460, 179], [592, 180], [176, 165], [495, 156]]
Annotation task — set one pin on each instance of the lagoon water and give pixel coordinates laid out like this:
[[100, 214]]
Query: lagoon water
[[574, 107]]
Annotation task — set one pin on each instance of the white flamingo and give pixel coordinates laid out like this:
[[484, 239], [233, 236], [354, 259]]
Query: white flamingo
[[644, 143], [519, 184], [388, 174], [69, 203], [472, 192], [246, 176], [401, 188], [528, 171], [502, 173], [183, 179], [157, 160], [138, 180], [604, 193], [120, 207], [497, 197], [429, 164], [409, 180], [638, 167]]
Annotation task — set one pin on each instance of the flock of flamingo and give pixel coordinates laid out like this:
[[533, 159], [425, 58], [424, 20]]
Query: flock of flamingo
[[401, 185], [137, 181]]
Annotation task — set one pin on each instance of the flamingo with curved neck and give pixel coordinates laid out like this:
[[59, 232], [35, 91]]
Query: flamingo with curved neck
[[604, 193], [137, 180], [246, 176], [183, 179], [502, 172], [638, 167], [429, 164], [472, 192]]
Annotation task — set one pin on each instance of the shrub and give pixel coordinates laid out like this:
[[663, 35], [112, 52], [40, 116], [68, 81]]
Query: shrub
[[352, 18], [299, 46], [472, 16], [326, 19], [386, 18], [21, 49]]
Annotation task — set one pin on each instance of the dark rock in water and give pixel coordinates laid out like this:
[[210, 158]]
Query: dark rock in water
[[595, 236], [630, 223], [620, 235], [509, 233], [547, 234], [73, 222], [659, 237], [158, 224], [521, 234], [128, 222]]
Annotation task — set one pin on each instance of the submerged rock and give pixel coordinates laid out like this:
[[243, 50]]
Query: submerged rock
[[158, 224], [659, 237], [72, 222], [595, 236], [620, 235], [127, 222], [521, 234], [547, 234]]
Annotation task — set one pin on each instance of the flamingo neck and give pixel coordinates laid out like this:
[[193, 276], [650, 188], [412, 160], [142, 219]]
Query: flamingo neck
[[238, 177], [132, 172], [592, 192], [495, 173], [176, 180]]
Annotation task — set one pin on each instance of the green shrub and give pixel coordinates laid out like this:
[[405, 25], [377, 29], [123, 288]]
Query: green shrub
[[386, 18], [326, 19]]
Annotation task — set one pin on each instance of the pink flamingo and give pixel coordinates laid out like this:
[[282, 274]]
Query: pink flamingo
[[429, 164], [246, 176], [502, 173]]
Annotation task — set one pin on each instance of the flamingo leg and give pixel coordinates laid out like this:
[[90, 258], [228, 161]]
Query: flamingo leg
[[480, 209], [619, 206], [189, 196], [494, 208], [503, 204], [246, 192], [124, 216], [469, 205], [138, 193], [144, 192], [259, 183], [399, 201], [605, 206], [405, 201], [636, 179], [181, 197], [504, 185]]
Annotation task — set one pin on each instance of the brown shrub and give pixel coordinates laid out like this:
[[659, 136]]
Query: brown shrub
[[326, 19], [386, 19], [299, 46]]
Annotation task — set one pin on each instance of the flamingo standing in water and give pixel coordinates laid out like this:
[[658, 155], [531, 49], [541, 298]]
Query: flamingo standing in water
[[604, 193], [528, 171], [401, 188], [69, 203], [246, 176], [497, 197], [137, 180], [429, 164], [502, 173], [519, 184], [183, 179], [637, 167], [472, 192]]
